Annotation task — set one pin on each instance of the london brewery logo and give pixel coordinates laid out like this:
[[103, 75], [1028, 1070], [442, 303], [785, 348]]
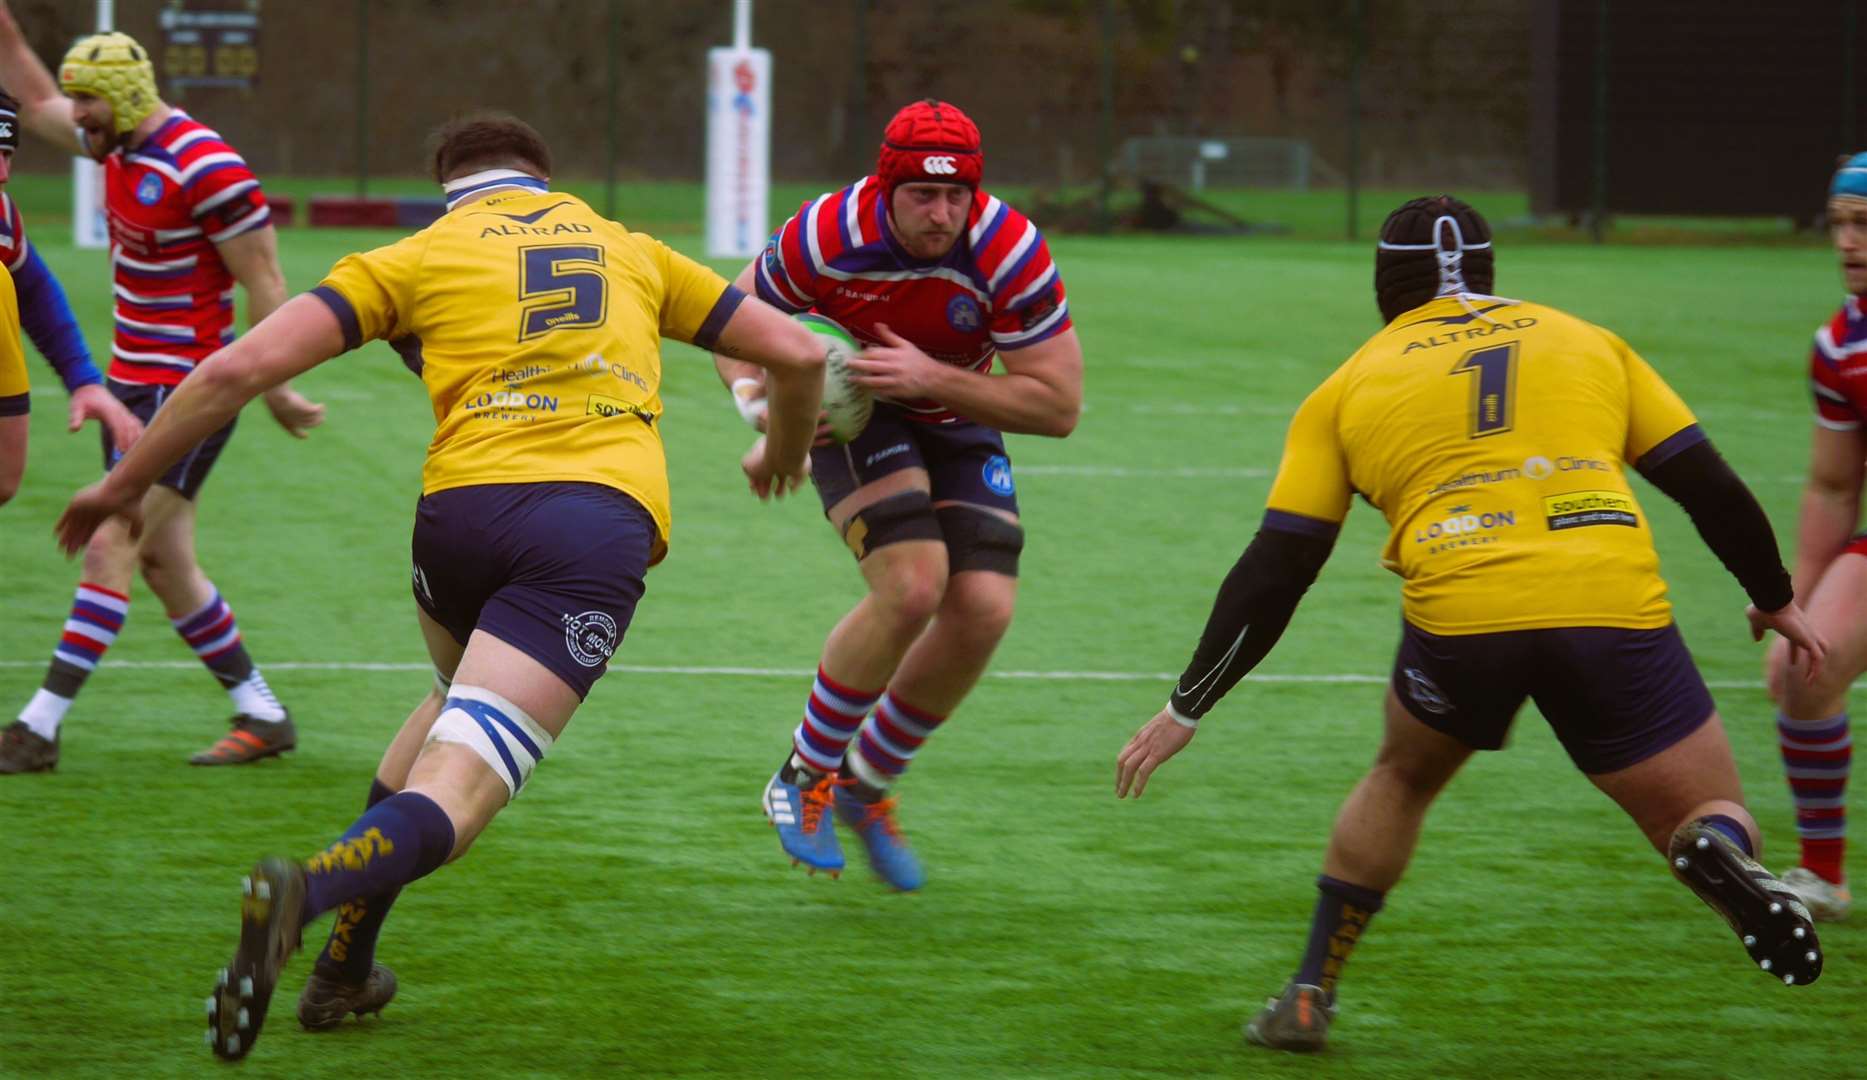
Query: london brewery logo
[[590, 637]]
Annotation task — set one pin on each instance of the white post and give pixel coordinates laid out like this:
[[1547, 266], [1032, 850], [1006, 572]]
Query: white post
[[89, 227], [738, 142]]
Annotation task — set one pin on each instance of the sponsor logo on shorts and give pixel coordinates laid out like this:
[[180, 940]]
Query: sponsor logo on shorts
[[600, 405], [421, 583], [1425, 693], [1579, 509], [885, 453], [149, 190], [1462, 528], [590, 637], [962, 314], [997, 474]]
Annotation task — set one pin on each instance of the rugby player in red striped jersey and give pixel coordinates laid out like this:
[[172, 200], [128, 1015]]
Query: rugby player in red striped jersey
[[187, 221], [1831, 570], [938, 280]]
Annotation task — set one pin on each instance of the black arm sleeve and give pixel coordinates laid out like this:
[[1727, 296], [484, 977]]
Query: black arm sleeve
[[1253, 607], [1727, 516]]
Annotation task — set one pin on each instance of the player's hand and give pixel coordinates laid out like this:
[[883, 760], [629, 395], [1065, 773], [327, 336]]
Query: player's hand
[[94, 402], [295, 412], [90, 508], [1158, 740], [763, 476], [896, 368], [1805, 645]]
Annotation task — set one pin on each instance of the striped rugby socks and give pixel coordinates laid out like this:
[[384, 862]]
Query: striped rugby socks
[[888, 741], [215, 637], [832, 717], [96, 619], [1817, 755]]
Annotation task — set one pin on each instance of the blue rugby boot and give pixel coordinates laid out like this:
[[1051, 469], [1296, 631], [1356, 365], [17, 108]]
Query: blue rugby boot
[[889, 854], [796, 802]]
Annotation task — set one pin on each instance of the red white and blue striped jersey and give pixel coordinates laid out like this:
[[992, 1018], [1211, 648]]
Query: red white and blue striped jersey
[[170, 201], [1838, 367], [13, 246], [996, 290]]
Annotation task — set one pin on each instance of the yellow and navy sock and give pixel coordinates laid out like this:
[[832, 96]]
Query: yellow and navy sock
[[401, 839], [1343, 911], [351, 948]]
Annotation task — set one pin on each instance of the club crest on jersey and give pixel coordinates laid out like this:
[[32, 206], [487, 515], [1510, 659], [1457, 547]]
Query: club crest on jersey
[[590, 637], [962, 314], [149, 190], [997, 474]]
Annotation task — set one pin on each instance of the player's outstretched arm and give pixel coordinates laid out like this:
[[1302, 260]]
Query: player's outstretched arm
[[793, 361], [253, 259], [1040, 393], [44, 110], [299, 336], [1252, 609], [1693, 474]]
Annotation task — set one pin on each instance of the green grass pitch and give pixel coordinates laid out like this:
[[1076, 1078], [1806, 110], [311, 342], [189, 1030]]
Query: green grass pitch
[[633, 915]]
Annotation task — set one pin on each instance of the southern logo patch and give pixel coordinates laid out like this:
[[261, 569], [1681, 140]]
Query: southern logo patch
[[1580, 509]]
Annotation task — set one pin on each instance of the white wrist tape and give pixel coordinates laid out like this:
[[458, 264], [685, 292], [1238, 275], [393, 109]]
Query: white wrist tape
[[749, 399], [1180, 718]]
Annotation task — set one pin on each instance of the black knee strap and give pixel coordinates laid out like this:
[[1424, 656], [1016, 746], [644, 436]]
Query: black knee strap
[[977, 539], [898, 518]]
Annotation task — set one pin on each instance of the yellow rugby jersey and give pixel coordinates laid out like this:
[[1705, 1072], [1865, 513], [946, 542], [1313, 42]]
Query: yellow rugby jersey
[[1495, 437], [15, 388], [537, 324]]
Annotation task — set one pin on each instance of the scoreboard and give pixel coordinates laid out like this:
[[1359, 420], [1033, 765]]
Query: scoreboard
[[216, 47]]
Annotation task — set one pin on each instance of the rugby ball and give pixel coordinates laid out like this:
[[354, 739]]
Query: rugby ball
[[846, 406]]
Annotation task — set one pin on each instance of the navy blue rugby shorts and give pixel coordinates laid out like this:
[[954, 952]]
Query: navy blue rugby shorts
[[552, 569], [1614, 697], [965, 462], [185, 476]]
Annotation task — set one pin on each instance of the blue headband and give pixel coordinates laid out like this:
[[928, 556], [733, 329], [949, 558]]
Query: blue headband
[[1850, 179]]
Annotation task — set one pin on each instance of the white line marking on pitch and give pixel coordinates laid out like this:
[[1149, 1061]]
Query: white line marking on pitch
[[797, 673]]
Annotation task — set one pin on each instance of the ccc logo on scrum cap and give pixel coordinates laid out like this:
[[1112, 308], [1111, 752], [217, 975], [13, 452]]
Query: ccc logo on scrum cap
[[939, 165]]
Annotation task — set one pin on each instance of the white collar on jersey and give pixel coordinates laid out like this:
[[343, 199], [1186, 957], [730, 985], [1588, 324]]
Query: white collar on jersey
[[465, 187]]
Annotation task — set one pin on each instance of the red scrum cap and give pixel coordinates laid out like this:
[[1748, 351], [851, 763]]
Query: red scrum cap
[[930, 141]]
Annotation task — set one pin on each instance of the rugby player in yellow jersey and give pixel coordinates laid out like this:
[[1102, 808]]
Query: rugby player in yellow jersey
[[15, 395], [536, 325], [1494, 436]]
